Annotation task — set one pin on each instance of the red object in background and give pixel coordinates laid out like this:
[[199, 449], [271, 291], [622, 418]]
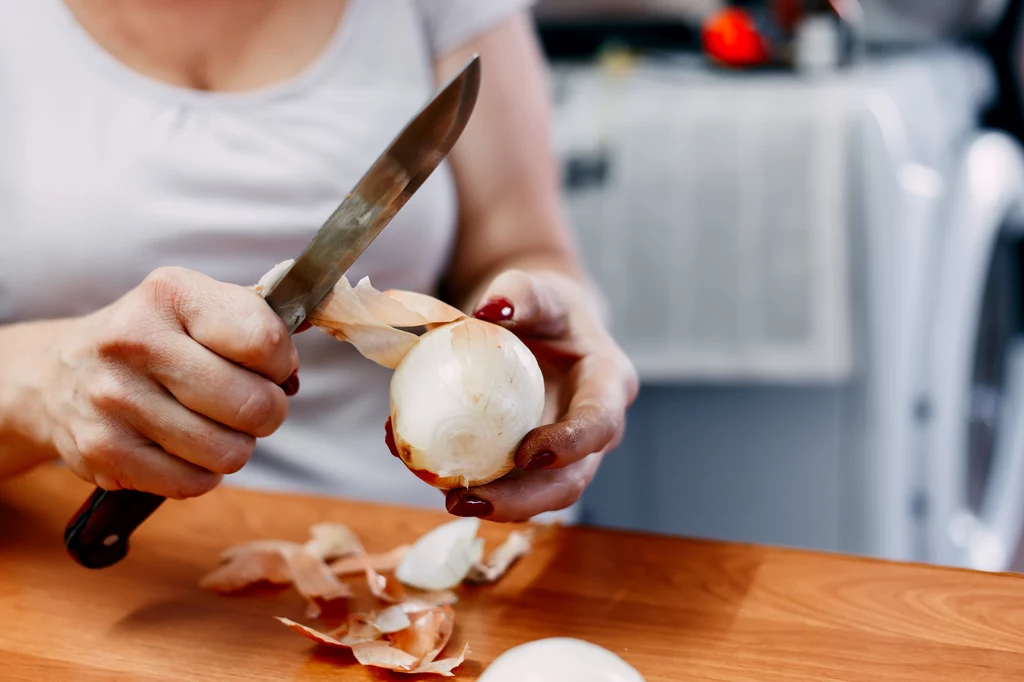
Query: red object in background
[[731, 37]]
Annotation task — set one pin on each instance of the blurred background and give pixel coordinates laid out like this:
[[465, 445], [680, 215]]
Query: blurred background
[[807, 215]]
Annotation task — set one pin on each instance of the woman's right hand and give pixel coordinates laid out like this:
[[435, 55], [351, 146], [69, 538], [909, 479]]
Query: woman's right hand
[[167, 389]]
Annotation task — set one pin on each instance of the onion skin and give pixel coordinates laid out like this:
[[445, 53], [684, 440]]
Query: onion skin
[[501, 403], [416, 461]]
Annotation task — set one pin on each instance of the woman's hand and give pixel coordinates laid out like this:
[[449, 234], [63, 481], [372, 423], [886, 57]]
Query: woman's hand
[[589, 384], [166, 390], [511, 221]]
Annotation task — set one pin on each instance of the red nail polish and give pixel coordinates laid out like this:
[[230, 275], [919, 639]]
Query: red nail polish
[[539, 461], [495, 310], [291, 385], [468, 506], [389, 437]]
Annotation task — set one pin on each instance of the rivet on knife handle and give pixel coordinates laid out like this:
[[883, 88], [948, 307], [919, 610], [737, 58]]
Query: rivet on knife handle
[[97, 535]]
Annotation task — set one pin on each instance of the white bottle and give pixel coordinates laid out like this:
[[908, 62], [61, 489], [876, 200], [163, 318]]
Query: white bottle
[[816, 45]]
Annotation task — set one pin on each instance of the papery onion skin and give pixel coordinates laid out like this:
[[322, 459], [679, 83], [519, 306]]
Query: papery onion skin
[[462, 400]]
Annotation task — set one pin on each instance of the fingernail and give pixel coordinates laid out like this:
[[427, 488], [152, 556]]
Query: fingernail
[[389, 437], [495, 310], [469, 506], [538, 461], [291, 385]]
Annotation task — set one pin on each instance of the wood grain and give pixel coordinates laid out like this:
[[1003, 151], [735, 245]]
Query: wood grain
[[675, 609]]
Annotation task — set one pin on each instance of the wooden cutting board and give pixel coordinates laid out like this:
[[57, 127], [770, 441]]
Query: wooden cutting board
[[675, 609]]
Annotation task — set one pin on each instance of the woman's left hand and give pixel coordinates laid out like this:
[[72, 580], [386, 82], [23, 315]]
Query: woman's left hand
[[589, 383]]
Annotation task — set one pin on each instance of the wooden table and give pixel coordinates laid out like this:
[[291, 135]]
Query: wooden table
[[675, 609]]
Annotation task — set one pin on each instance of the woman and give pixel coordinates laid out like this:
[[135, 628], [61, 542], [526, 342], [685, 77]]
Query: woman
[[160, 155]]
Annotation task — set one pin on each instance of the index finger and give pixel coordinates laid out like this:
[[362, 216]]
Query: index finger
[[232, 321]]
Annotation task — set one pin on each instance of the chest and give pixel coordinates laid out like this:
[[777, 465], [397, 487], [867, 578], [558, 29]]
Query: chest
[[217, 45], [111, 175]]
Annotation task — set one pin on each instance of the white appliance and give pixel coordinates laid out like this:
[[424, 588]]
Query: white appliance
[[800, 268], [901, 22]]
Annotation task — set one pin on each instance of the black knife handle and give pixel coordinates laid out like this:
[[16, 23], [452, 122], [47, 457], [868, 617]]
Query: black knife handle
[[97, 535]]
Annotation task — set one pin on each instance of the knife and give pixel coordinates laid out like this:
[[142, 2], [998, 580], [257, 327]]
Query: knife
[[97, 535]]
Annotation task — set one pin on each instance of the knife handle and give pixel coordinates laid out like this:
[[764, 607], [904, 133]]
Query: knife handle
[[97, 535]]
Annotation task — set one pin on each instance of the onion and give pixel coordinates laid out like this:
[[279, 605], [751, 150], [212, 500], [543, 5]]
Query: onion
[[461, 402], [463, 395], [559, 659]]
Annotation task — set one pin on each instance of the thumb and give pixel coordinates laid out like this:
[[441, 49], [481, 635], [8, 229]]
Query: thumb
[[524, 303]]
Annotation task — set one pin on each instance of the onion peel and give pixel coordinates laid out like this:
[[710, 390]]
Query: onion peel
[[384, 561], [405, 638], [517, 544], [441, 558], [416, 626], [280, 562]]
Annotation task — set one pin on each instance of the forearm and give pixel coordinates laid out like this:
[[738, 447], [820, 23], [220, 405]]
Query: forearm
[[24, 438], [507, 173]]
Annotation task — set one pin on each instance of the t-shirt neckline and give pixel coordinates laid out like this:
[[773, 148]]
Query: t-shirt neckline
[[126, 76]]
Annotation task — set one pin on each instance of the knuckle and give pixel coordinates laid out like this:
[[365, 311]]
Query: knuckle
[[272, 336], [260, 412], [575, 488], [193, 485], [234, 455], [520, 284], [575, 480], [109, 395], [592, 423], [99, 451], [598, 415], [269, 339], [166, 285], [108, 482]]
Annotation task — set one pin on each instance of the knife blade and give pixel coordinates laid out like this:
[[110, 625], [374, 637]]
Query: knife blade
[[97, 536], [376, 198]]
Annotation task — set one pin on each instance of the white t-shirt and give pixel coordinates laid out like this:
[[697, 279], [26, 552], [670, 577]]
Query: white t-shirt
[[106, 174]]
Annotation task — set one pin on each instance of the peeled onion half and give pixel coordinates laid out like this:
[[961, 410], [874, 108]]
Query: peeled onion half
[[559, 659]]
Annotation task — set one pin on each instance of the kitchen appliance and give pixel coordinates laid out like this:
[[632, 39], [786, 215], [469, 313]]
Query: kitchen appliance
[[817, 280], [902, 22]]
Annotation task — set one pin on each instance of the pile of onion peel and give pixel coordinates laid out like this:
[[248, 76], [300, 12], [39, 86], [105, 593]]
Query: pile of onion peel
[[279, 562], [405, 638], [414, 628], [463, 395]]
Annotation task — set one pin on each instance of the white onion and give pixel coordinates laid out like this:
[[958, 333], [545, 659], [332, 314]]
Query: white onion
[[461, 402], [559, 659], [463, 395]]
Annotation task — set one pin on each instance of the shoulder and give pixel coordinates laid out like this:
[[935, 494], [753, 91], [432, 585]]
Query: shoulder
[[449, 23]]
